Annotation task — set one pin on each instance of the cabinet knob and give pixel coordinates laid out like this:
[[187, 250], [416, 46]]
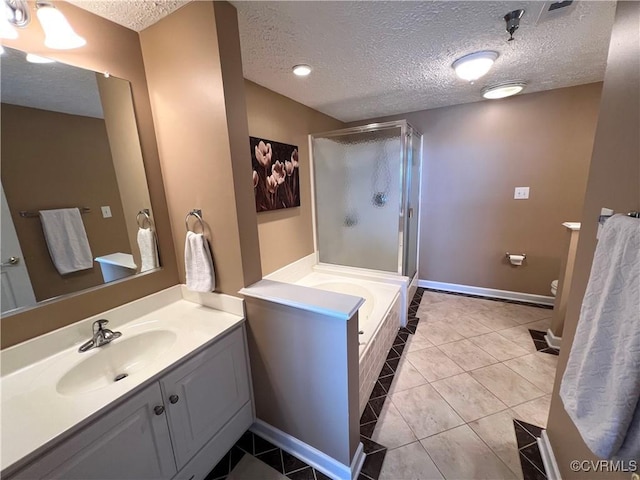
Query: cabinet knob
[[174, 398], [159, 410]]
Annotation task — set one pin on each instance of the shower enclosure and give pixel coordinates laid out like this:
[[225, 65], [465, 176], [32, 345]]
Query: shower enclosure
[[366, 183]]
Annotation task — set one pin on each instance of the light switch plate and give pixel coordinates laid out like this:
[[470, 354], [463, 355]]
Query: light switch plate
[[106, 212], [521, 193]]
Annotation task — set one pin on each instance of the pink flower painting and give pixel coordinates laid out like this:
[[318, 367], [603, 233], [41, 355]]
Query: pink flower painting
[[276, 180]]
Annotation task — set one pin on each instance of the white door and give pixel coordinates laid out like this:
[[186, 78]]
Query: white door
[[16, 285]]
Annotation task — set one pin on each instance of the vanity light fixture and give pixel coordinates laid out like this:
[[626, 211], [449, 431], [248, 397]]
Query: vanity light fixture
[[59, 35], [302, 70], [503, 90], [32, 58], [475, 65], [15, 13]]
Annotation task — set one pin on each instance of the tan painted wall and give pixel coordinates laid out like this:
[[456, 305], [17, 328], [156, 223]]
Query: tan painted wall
[[115, 49], [197, 95], [285, 235], [43, 155], [614, 182], [474, 155], [126, 153]]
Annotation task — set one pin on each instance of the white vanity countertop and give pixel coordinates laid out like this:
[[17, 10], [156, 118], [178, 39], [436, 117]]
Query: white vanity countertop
[[33, 411]]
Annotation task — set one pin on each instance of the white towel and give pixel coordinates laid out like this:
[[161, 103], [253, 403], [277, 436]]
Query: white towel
[[148, 249], [601, 385], [66, 239], [198, 263]]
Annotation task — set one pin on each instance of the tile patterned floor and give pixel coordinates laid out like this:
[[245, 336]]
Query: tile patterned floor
[[469, 375], [459, 397]]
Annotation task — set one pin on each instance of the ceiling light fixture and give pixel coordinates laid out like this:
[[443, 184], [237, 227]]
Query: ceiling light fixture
[[473, 66], [15, 13], [503, 90], [32, 58], [58, 33], [302, 70]]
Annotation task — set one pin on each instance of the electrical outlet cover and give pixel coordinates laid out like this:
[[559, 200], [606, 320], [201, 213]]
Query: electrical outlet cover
[[521, 193]]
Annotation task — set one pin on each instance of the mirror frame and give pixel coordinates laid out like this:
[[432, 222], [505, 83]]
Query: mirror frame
[[117, 50]]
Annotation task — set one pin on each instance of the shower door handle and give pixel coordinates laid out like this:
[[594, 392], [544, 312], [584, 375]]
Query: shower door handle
[[410, 212]]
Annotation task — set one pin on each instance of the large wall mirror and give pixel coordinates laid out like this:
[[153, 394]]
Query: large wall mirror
[[69, 140]]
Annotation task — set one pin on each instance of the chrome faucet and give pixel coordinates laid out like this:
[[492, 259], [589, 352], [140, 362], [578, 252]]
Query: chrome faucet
[[101, 336]]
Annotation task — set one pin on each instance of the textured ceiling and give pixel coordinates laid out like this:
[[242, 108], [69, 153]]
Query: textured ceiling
[[377, 58], [49, 86], [134, 14]]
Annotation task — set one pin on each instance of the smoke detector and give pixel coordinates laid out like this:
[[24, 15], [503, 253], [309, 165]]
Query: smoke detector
[[551, 10]]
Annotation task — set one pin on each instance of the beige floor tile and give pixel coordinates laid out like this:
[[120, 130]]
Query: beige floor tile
[[437, 312], [498, 432], [251, 467], [468, 397], [438, 333], [391, 430], [429, 298], [542, 325], [538, 368], [461, 454], [535, 411], [467, 355], [495, 319], [504, 383], [410, 462], [425, 411], [498, 346], [417, 341], [433, 364], [468, 327], [523, 314], [406, 376], [520, 336]]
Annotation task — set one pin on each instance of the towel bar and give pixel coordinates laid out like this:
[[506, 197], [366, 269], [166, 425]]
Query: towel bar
[[194, 213], [26, 214], [145, 214]]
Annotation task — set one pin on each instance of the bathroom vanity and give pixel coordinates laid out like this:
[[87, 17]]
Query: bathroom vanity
[[184, 400]]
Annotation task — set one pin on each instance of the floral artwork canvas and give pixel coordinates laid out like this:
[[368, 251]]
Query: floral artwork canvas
[[276, 181]]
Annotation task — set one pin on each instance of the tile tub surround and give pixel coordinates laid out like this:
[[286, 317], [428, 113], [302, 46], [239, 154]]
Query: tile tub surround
[[33, 368], [435, 404]]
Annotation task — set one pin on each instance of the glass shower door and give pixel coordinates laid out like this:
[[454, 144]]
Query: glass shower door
[[358, 196], [414, 153]]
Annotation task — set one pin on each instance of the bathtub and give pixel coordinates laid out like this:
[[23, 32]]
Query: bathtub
[[379, 318]]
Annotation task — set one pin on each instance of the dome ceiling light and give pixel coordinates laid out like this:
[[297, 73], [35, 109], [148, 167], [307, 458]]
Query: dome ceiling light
[[503, 90], [475, 65]]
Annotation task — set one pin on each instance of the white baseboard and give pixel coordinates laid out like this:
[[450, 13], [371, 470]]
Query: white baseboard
[[488, 292], [311, 455], [548, 458], [552, 340]]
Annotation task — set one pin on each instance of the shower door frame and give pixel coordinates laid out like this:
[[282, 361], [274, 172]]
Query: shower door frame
[[406, 130]]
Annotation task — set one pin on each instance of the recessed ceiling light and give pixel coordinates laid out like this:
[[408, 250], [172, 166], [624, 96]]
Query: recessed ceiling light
[[473, 66], [503, 90], [31, 58], [302, 70]]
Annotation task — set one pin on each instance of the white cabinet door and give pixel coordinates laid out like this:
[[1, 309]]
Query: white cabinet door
[[130, 442], [204, 393]]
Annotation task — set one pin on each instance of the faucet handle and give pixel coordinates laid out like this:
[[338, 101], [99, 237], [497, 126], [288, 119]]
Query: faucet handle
[[99, 325]]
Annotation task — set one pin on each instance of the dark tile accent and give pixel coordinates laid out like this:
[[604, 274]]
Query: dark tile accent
[[413, 322], [529, 471], [370, 446], [399, 349], [393, 364], [551, 351], [246, 442], [411, 329], [386, 370], [304, 474], [541, 344], [523, 437], [386, 383], [392, 354], [405, 330], [273, 458], [537, 334], [378, 389], [373, 464], [376, 405], [364, 477], [502, 300], [368, 415], [236, 456], [532, 429], [321, 476], [403, 335], [260, 445], [532, 453], [292, 463], [222, 469], [367, 430]]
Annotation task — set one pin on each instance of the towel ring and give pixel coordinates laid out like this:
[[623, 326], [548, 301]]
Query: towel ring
[[195, 213], [145, 215]]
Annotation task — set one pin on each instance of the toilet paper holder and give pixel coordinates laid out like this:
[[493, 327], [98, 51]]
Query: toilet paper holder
[[516, 259], [508, 255]]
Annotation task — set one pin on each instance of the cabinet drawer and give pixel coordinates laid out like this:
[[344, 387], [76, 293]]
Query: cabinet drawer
[[204, 393]]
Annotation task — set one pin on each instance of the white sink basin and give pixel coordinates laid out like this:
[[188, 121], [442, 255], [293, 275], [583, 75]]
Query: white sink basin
[[116, 360]]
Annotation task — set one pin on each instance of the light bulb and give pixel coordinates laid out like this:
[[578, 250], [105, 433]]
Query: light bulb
[[475, 65], [58, 33], [302, 70]]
